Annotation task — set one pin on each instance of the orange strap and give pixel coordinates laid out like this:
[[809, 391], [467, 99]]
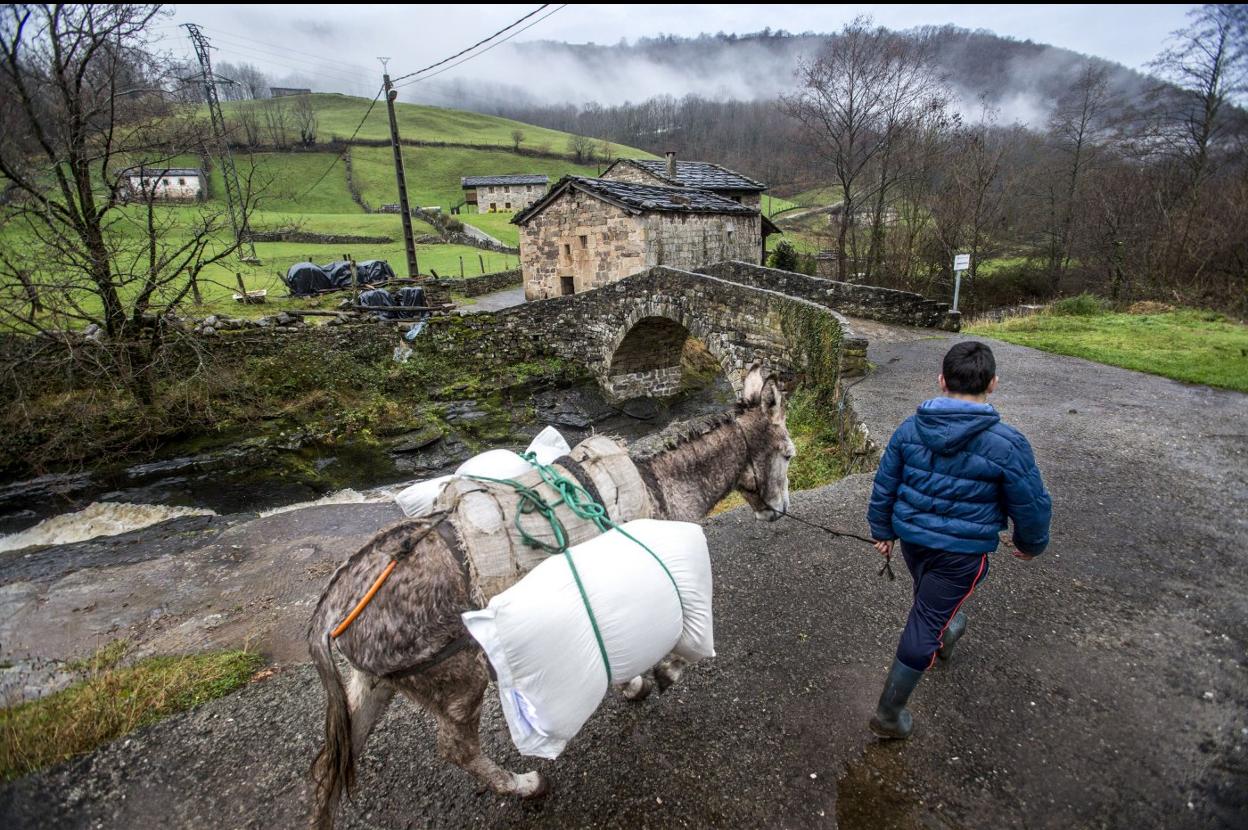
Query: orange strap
[[342, 626]]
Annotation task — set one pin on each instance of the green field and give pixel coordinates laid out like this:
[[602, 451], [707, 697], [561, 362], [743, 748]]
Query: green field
[[1187, 345], [433, 173], [338, 115]]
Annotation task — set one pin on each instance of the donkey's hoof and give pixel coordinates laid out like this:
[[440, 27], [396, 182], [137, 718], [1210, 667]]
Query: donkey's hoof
[[637, 689], [666, 676], [532, 785]]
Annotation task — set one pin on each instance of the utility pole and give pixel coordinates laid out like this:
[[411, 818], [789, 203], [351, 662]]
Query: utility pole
[[413, 270], [233, 192]]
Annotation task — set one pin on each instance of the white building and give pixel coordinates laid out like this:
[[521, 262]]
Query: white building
[[175, 184]]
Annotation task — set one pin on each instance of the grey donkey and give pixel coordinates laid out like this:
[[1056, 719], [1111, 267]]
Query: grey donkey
[[414, 619]]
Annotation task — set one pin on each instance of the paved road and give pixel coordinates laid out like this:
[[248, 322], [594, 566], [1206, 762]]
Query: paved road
[[495, 301], [1100, 686]]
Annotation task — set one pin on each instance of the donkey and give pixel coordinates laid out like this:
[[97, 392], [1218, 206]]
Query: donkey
[[687, 469]]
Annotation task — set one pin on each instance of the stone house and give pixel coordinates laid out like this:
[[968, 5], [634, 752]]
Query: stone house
[[698, 174], [503, 194], [174, 184], [287, 91], [586, 233]]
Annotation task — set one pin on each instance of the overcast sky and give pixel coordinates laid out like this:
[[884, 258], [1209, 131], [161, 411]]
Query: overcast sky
[[283, 39]]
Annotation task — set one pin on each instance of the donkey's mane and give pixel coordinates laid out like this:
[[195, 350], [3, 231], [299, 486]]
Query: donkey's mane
[[679, 433]]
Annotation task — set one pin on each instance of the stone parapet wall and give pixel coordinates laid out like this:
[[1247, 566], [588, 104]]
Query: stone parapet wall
[[867, 301]]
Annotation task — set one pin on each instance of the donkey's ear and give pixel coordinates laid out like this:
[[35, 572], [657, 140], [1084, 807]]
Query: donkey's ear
[[773, 400], [752, 387]]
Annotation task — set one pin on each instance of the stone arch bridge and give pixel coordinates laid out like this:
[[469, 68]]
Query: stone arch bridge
[[630, 335]]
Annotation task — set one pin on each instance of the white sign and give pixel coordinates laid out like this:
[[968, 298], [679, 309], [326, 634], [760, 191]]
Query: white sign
[[961, 262]]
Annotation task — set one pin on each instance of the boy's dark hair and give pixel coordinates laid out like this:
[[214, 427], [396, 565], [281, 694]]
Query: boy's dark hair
[[968, 368]]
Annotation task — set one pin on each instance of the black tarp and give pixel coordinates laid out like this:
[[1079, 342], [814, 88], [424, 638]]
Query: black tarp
[[339, 273], [380, 299], [411, 295], [304, 278], [374, 272]]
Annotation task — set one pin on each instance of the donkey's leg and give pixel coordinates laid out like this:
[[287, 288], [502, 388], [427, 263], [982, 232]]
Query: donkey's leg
[[637, 689], [668, 671], [453, 693], [367, 699]]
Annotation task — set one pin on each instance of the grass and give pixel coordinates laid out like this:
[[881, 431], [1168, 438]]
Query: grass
[[112, 700], [1187, 345], [433, 173], [338, 115]]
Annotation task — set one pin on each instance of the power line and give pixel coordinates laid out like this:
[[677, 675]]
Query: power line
[[474, 46], [284, 49], [486, 49], [346, 147]]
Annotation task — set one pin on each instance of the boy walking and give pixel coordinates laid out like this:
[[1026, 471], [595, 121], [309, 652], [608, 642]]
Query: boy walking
[[949, 479]]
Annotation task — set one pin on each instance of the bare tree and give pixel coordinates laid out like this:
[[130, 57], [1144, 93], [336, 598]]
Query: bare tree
[[582, 148], [72, 126], [517, 137], [277, 121], [249, 122], [1075, 127], [305, 119], [839, 105]]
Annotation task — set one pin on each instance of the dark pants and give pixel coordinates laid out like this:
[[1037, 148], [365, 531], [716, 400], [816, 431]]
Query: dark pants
[[942, 582]]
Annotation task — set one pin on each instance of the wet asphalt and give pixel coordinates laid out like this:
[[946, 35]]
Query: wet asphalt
[[1101, 685]]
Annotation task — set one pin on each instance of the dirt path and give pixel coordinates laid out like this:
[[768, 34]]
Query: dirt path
[[1100, 686]]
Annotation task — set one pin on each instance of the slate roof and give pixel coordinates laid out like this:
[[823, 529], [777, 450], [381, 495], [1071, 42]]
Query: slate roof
[[511, 178], [156, 170], [699, 174], [639, 198]]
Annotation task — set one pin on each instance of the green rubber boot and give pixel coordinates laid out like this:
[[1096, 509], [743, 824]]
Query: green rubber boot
[[954, 632], [892, 719]]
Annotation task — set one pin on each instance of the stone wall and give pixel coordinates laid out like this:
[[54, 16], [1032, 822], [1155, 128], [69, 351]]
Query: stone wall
[[484, 283], [582, 243], [867, 301], [632, 173], [603, 331]]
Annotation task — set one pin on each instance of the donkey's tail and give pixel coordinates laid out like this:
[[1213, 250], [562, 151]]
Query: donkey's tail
[[333, 770]]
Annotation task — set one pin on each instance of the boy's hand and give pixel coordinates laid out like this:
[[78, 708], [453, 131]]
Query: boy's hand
[[885, 548]]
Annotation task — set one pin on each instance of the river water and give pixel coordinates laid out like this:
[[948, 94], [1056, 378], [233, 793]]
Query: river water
[[67, 508]]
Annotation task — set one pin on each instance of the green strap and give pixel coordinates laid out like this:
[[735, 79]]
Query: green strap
[[581, 503]]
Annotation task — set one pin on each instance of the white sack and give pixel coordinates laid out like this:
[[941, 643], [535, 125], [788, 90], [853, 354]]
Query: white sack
[[494, 464], [538, 636], [548, 445], [417, 500]]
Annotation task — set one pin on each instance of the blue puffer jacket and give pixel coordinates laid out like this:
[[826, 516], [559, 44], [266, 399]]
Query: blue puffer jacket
[[951, 475]]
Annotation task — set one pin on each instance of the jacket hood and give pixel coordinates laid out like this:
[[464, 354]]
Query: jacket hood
[[946, 425]]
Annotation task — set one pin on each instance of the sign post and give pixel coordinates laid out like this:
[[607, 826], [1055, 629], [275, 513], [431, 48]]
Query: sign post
[[961, 264]]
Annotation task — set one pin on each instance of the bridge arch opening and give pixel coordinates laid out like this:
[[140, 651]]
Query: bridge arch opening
[[658, 357]]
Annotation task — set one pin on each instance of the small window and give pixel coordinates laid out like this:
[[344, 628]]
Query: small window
[[507, 206], [567, 285], [584, 241], [567, 251], [182, 182]]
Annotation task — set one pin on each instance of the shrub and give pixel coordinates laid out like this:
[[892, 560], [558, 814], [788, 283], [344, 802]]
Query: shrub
[[1082, 305], [784, 257]]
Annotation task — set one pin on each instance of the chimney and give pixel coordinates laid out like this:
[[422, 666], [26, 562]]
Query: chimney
[[671, 164]]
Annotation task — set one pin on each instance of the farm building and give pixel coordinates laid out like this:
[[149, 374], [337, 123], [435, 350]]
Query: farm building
[[503, 194], [178, 184], [698, 174], [286, 91], [586, 233]]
